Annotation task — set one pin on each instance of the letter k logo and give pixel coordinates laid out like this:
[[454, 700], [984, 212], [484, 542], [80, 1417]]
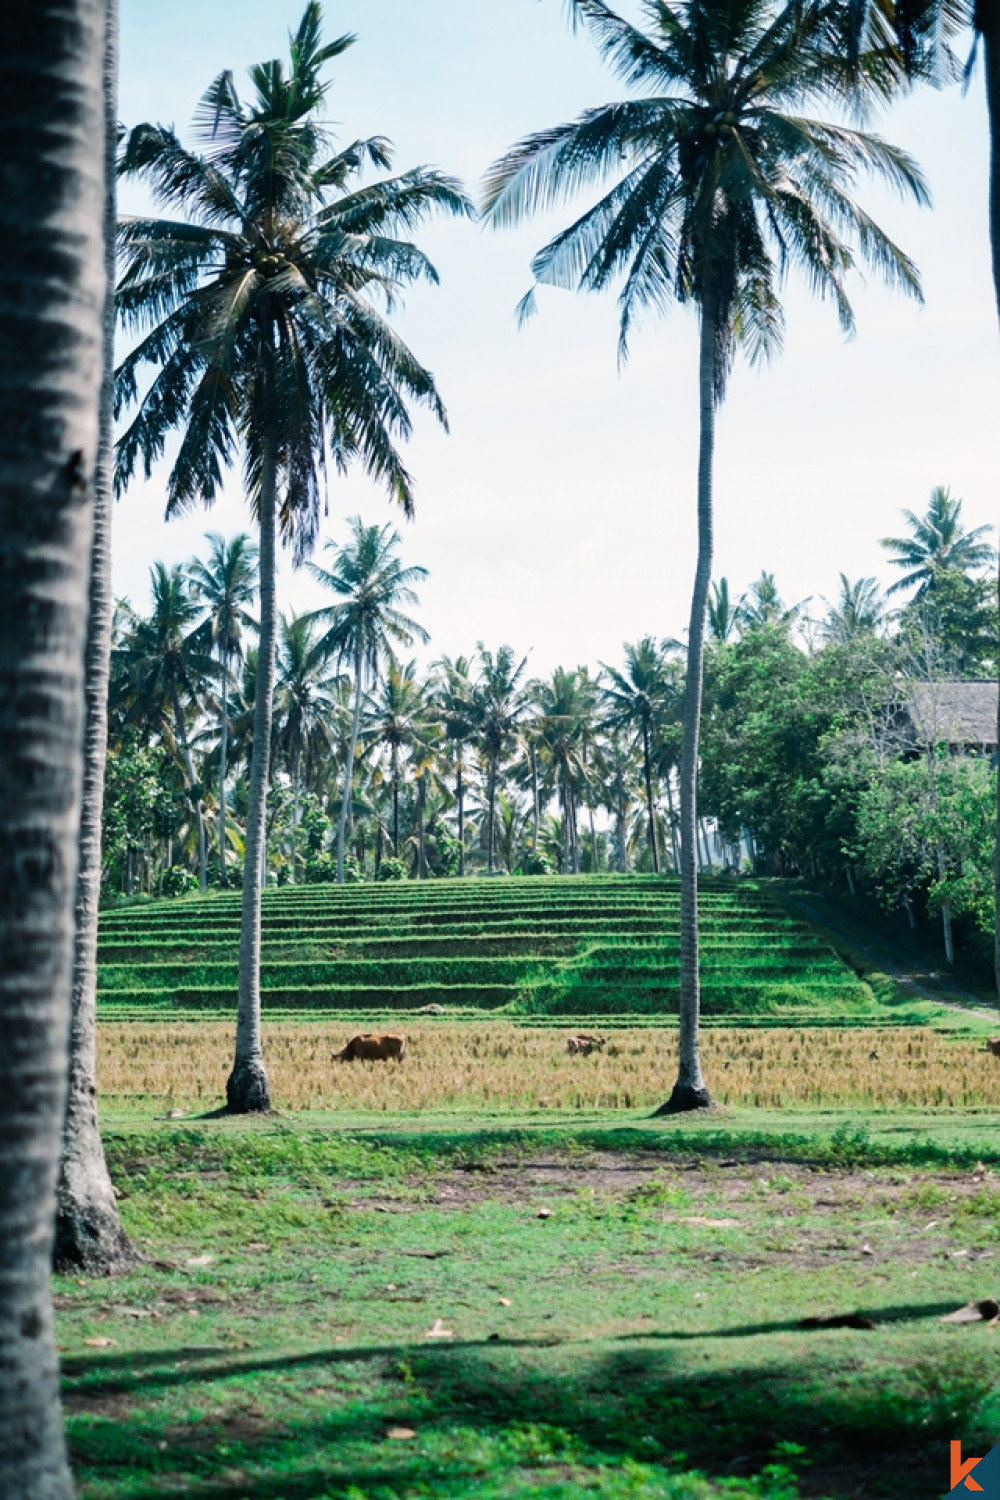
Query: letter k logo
[[960, 1471]]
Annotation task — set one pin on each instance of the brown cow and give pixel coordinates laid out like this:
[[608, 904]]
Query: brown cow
[[993, 1045], [372, 1049], [584, 1045]]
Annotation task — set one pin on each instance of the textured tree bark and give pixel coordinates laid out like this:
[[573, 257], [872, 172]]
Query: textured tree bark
[[89, 1233], [223, 753], [52, 294], [460, 794], [349, 768], [247, 1088], [989, 24], [689, 1091], [649, 799]]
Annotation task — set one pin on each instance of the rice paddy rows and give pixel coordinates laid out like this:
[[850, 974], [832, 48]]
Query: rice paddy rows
[[603, 945]]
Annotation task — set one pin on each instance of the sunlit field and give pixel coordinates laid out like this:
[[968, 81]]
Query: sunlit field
[[504, 1067]]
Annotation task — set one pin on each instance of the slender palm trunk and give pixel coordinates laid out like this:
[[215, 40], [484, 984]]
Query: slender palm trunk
[[622, 838], [247, 1088], [673, 823], [89, 1233], [989, 23], [52, 294], [491, 815], [182, 740], [223, 753], [689, 1091], [567, 832], [534, 800], [647, 772], [349, 769], [296, 803], [421, 804], [395, 803], [460, 795]]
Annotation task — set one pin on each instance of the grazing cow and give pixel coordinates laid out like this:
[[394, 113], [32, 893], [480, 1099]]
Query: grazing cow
[[372, 1049], [993, 1045], [584, 1045]]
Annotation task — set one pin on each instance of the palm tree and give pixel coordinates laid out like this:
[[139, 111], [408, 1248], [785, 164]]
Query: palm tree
[[937, 541], [52, 295], [724, 617], [456, 704], [89, 1234], [721, 182], [859, 611], [226, 584], [397, 720], [261, 310], [167, 668], [499, 701], [763, 605], [634, 702], [306, 706], [565, 706], [372, 584]]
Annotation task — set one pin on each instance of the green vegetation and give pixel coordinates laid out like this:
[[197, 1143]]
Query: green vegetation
[[600, 946], [281, 1329]]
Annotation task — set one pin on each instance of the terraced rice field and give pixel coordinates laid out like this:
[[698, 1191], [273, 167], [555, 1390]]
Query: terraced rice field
[[527, 949]]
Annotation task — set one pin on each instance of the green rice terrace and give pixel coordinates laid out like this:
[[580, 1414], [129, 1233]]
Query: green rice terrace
[[529, 949]]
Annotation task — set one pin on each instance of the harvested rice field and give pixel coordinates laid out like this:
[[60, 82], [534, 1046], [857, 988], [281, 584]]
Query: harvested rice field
[[499, 1066]]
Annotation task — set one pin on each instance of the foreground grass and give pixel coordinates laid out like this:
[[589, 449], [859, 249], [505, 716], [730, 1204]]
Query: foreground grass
[[499, 1066], [616, 1308]]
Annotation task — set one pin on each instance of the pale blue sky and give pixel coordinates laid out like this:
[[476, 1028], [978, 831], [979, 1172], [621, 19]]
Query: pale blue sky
[[559, 514]]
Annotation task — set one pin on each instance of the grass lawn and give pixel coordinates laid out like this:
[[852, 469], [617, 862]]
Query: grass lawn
[[373, 1306]]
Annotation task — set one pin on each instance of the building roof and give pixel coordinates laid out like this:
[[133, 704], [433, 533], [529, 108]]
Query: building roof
[[954, 713]]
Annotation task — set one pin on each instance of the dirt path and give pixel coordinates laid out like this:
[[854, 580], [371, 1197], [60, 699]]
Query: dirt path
[[888, 957]]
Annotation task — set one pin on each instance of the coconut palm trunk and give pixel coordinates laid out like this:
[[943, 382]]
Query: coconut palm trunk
[[89, 1233], [990, 26], [491, 816], [247, 1089], [223, 754], [182, 740], [534, 800], [649, 799], [689, 1091], [349, 769], [52, 294], [673, 822], [460, 796]]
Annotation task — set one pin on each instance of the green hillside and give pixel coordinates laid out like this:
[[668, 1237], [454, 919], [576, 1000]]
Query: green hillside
[[605, 946]]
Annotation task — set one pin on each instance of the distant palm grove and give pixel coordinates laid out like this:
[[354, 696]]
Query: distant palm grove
[[813, 761]]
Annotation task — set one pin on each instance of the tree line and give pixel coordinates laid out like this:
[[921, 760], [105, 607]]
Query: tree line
[[810, 760], [260, 318]]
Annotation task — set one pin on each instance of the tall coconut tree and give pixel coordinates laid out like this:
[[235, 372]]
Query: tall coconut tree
[[937, 540], [372, 585], [455, 697], [306, 708], [720, 181], [168, 668], [226, 584], [634, 704], [564, 706], [397, 721], [89, 1233], [52, 297], [499, 701], [262, 310], [859, 611]]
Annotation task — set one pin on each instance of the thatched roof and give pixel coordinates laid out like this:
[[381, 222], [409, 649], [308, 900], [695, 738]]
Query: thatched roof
[[954, 713]]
